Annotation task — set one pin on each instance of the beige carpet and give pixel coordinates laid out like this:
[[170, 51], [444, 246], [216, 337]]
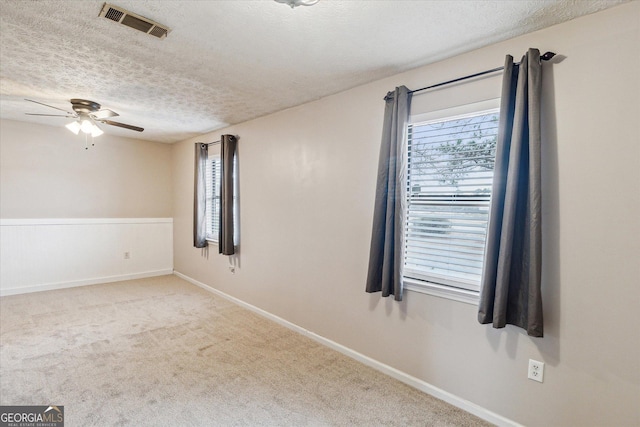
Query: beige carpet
[[162, 352]]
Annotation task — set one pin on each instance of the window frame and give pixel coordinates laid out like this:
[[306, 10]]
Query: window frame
[[418, 284]]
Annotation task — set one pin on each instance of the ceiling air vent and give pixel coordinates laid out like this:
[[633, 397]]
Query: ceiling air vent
[[140, 23]]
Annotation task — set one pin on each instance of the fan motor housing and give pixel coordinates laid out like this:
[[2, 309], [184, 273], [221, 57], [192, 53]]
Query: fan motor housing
[[84, 106]]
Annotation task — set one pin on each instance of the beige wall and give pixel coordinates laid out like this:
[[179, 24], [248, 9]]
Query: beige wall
[[45, 172], [307, 179]]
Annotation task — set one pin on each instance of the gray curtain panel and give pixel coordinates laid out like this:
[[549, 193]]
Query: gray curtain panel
[[226, 231], [510, 291], [387, 237], [200, 196]]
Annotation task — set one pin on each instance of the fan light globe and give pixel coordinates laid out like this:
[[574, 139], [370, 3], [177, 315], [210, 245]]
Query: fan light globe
[[86, 126], [96, 131], [73, 127]]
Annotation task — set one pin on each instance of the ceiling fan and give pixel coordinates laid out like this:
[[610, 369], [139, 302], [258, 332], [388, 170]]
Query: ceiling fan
[[86, 114]]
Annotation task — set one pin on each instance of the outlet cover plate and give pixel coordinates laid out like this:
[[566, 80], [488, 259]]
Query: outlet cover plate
[[536, 370]]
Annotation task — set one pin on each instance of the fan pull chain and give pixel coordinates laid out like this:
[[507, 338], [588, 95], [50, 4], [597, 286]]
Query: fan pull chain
[[86, 141]]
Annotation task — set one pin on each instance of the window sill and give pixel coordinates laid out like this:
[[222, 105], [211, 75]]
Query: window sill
[[215, 242], [461, 295]]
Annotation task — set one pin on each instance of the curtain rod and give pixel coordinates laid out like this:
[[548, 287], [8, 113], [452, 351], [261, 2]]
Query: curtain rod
[[545, 57], [214, 142]]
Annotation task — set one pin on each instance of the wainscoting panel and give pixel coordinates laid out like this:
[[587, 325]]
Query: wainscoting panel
[[43, 254]]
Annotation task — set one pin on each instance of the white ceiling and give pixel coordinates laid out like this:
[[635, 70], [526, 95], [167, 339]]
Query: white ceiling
[[229, 61]]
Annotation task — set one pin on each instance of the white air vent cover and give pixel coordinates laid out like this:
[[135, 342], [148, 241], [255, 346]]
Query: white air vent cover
[[140, 23]]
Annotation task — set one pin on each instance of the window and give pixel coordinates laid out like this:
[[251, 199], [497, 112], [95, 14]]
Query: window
[[450, 173], [212, 209]]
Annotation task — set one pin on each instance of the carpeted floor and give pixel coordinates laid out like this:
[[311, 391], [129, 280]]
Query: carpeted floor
[[162, 352]]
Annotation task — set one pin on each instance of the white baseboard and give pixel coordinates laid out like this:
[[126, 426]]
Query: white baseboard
[[76, 283], [412, 381]]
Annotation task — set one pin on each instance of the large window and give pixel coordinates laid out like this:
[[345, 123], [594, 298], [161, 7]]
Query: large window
[[450, 174]]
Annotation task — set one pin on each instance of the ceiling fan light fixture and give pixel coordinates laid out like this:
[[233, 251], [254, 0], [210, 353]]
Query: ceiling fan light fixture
[[86, 125], [295, 3]]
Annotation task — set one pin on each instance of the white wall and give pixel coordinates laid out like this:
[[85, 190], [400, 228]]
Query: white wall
[[45, 172], [67, 215], [307, 178], [43, 254]]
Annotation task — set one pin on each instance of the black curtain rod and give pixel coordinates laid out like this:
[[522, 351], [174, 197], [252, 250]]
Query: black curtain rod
[[545, 57]]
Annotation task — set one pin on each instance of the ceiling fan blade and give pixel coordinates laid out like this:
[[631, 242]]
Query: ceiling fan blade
[[104, 114], [52, 115], [122, 125], [47, 105]]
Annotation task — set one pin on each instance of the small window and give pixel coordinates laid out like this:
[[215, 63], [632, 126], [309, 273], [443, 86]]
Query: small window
[[212, 214], [450, 175], [213, 193]]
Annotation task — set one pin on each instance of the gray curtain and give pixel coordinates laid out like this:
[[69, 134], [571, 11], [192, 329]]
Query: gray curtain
[[226, 230], [510, 291], [387, 237], [200, 196]]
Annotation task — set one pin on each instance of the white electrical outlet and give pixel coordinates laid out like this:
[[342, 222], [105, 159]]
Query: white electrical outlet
[[127, 255], [536, 370]]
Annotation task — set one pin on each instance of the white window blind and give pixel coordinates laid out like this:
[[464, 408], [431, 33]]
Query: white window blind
[[212, 214], [450, 174]]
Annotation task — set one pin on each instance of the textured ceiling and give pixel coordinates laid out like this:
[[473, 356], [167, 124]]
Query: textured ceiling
[[229, 61]]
